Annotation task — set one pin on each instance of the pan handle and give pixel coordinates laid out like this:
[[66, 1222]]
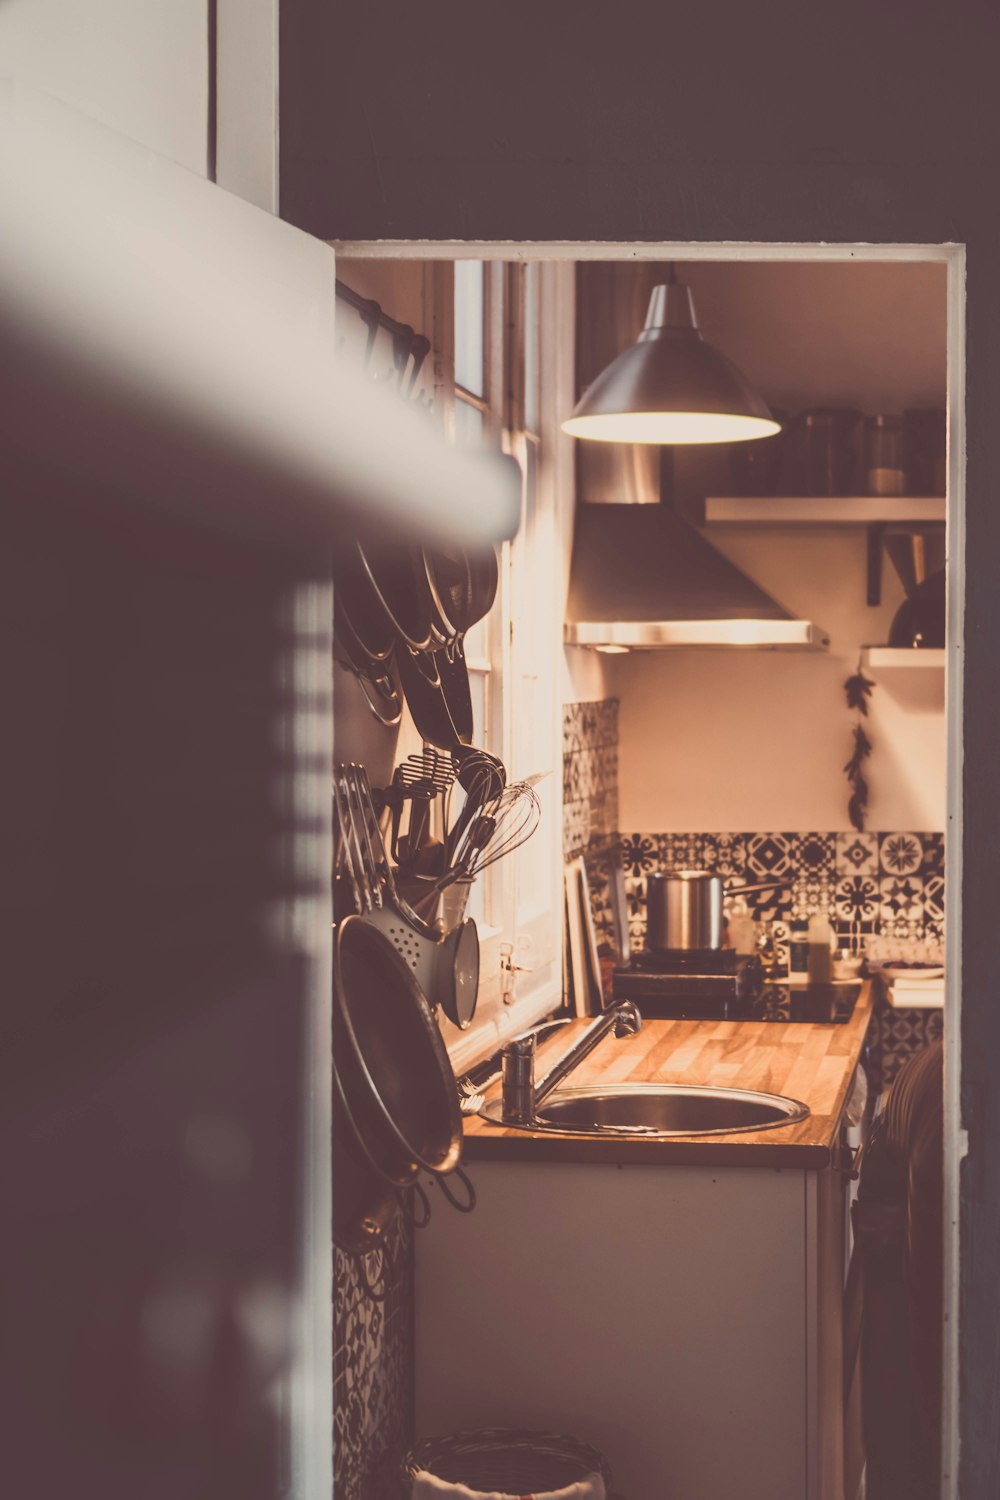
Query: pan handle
[[381, 697], [469, 1203], [408, 1198], [761, 885]]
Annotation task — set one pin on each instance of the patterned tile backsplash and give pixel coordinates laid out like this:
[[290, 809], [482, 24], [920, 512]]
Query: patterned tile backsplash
[[373, 1373], [590, 776], [870, 885], [881, 891]]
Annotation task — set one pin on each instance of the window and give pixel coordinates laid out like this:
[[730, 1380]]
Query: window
[[499, 360]]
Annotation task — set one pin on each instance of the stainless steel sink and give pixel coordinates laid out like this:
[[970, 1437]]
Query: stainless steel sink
[[659, 1110]]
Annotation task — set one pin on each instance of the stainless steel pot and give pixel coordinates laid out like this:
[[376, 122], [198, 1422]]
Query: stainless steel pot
[[685, 908]]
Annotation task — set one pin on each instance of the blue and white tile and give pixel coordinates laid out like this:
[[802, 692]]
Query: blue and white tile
[[812, 895], [901, 898], [724, 854], [900, 853], [769, 854], [855, 854], [933, 854], [857, 898], [639, 853], [813, 854], [680, 851]]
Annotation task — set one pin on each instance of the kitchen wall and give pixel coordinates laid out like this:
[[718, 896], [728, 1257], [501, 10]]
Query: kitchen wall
[[728, 739], [373, 1342], [140, 66], [884, 886]]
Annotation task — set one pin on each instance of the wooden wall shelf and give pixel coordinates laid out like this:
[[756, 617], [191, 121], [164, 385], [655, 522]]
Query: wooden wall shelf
[[892, 658], [834, 510]]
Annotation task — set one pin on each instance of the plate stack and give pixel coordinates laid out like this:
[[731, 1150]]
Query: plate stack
[[914, 986]]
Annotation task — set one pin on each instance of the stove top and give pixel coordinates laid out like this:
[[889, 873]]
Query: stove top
[[720, 985]]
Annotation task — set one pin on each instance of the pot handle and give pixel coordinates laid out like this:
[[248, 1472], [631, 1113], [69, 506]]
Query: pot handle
[[761, 885]]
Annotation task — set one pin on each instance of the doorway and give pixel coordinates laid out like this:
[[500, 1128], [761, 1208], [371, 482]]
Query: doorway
[[952, 257]]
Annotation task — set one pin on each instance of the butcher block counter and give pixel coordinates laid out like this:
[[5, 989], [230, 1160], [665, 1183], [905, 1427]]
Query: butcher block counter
[[812, 1063]]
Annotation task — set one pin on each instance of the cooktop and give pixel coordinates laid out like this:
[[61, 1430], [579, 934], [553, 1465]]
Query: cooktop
[[732, 989]]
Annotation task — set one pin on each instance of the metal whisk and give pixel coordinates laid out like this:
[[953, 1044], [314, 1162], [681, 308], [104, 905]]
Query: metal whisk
[[501, 826]]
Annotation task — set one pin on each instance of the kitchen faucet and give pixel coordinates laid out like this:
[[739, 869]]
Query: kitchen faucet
[[520, 1094]]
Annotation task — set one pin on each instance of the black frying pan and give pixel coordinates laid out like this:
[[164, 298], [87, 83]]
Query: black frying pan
[[393, 1062], [428, 704], [374, 674], [398, 581]]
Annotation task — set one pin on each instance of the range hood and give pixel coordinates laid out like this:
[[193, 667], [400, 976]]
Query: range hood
[[643, 578]]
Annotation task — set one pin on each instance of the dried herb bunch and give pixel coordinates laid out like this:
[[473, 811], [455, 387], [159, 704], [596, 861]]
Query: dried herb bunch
[[857, 690]]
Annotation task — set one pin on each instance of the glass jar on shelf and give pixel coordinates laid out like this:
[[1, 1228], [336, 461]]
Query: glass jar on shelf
[[884, 473]]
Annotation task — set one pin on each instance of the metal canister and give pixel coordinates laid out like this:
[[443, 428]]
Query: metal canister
[[684, 910]]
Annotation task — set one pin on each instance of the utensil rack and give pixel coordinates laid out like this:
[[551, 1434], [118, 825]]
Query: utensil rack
[[409, 348]]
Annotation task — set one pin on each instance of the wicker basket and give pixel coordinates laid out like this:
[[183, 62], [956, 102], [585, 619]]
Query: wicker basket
[[506, 1459]]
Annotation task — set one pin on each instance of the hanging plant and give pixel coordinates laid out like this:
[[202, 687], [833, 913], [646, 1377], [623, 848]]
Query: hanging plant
[[857, 690]]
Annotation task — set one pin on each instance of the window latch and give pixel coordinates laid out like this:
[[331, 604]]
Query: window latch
[[509, 971]]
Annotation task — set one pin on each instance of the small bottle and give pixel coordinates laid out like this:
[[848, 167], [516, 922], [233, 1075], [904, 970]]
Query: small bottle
[[820, 942], [798, 951], [884, 455]]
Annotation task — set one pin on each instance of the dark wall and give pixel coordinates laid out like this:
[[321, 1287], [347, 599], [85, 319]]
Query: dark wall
[[781, 120], [153, 1036]]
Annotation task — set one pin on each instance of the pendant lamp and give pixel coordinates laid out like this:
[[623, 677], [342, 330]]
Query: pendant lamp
[[670, 386]]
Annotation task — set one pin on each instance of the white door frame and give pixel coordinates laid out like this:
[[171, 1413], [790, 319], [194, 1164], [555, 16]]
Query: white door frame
[[953, 256]]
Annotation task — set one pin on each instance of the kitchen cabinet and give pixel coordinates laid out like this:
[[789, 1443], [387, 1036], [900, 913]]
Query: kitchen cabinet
[[676, 1301], [685, 1319]]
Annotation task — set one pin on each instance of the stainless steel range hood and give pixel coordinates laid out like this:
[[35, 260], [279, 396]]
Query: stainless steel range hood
[[641, 577]]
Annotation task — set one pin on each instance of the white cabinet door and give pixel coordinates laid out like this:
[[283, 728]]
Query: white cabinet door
[[658, 1313]]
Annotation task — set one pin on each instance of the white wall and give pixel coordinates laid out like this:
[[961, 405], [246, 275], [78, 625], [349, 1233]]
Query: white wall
[[728, 740], [140, 66], [717, 741]]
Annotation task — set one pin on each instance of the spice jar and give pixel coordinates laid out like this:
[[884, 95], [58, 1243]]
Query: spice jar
[[884, 455], [824, 453]]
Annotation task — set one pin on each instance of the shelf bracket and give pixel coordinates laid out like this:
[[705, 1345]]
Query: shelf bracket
[[876, 536]]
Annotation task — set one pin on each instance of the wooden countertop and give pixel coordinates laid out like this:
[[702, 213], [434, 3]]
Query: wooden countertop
[[812, 1063]]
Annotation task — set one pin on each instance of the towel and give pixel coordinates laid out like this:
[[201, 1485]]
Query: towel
[[428, 1487]]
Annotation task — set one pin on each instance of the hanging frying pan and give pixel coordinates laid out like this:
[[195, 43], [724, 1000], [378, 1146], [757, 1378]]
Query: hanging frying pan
[[428, 705], [398, 581], [373, 673], [364, 1205], [393, 1062]]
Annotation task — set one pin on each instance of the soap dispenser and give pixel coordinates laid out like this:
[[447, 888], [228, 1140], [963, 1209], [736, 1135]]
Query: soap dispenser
[[821, 942]]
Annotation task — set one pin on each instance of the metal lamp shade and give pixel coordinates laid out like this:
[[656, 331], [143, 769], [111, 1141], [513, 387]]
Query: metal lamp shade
[[671, 387]]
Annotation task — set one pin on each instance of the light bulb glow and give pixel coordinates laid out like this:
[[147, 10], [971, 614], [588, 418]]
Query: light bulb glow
[[669, 427]]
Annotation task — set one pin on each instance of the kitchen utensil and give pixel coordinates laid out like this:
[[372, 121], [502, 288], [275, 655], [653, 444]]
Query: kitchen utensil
[[419, 779], [427, 765], [463, 585], [823, 454], [398, 581], [445, 966], [884, 455], [378, 1156], [920, 619], [685, 908], [363, 634], [500, 827], [364, 1204], [619, 901], [374, 673], [426, 700], [405, 1085]]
